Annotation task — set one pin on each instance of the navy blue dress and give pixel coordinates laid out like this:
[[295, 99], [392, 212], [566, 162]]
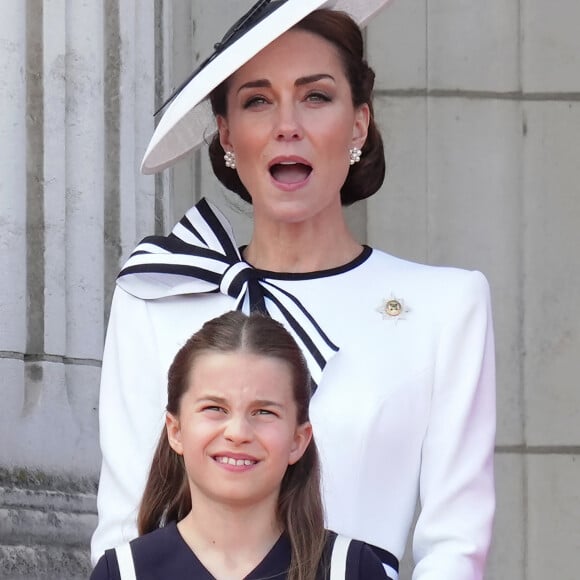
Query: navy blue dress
[[164, 554]]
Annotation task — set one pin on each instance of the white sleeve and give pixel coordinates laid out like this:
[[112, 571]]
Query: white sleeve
[[131, 416], [453, 532]]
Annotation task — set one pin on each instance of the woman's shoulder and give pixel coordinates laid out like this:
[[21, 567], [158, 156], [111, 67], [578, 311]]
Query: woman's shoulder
[[437, 276]]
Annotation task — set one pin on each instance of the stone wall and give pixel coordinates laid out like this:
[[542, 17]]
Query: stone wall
[[76, 100]]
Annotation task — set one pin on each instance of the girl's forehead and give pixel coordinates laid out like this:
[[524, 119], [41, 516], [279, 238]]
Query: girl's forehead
[[240, 372]]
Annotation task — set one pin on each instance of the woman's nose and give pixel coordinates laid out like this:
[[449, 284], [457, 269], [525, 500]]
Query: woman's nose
[[288, 126], [238, 430]]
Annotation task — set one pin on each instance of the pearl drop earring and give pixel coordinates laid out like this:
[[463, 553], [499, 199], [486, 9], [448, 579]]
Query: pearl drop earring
[[354, 154], [230, 159]]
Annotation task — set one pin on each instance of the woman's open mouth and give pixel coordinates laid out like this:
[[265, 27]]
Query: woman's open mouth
[[290, 172]]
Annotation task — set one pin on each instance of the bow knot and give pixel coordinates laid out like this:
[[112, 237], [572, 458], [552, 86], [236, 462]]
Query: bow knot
[[200, 256], [236, 278]]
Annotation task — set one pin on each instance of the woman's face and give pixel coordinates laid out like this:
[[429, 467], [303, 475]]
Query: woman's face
[[291, 122], [237, 428]]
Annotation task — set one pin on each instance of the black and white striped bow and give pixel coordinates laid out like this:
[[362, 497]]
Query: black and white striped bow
[[200, 256]]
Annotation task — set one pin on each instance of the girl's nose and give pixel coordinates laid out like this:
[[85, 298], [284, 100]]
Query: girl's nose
[[238, 430]]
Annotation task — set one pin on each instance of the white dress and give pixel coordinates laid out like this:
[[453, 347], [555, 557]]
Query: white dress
[[404, 410]]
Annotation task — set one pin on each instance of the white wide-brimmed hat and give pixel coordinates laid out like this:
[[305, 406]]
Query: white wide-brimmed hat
[[188, 120]]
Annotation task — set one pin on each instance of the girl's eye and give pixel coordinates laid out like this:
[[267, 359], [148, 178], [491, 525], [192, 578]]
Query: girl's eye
[[214, 408]]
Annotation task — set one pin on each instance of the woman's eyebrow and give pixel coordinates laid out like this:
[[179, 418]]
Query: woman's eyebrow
[[259, 83], [313, 78], [265, 83]]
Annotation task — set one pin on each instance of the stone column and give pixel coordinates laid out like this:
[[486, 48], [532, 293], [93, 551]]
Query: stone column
[[13, 205], [77, 98]]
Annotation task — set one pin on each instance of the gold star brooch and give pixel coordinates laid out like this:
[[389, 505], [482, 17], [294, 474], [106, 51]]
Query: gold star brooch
[[393, 308]]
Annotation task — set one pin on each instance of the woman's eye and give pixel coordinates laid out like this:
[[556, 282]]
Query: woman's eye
[[318, 97], [255, 101]]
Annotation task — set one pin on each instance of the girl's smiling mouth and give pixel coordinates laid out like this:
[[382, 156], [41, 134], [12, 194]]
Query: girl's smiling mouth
[[224, 459]]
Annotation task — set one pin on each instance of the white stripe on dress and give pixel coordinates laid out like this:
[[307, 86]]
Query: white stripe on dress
[[391, 572], [125, 561], [338, 558]]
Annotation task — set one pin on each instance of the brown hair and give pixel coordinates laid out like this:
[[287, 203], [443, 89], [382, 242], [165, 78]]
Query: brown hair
[[364, 178], [300, 512]]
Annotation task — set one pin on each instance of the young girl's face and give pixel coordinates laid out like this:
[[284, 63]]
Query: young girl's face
[[237, 428]]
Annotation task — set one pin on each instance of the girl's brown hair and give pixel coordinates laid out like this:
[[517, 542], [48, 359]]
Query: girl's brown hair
[[167, 497], [364, 178]]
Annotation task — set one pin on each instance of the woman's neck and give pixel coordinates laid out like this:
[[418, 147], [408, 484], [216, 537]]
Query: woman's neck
[[301, 247], [230, 542]]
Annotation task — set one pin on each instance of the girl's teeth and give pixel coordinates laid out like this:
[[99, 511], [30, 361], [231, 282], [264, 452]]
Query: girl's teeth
[[236, 462]]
